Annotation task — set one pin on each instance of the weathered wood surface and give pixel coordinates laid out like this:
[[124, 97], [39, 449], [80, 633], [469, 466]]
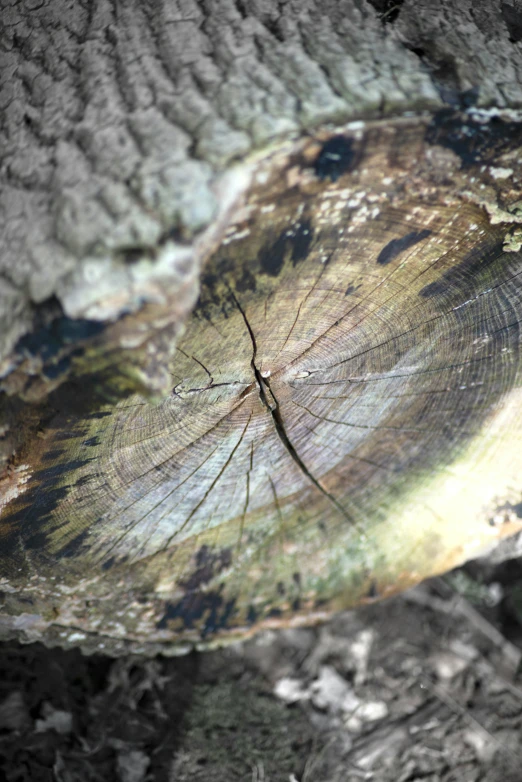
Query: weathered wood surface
[[345, 407], [341, 415]]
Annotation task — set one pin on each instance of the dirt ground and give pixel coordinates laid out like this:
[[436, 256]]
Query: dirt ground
[[427, 686]]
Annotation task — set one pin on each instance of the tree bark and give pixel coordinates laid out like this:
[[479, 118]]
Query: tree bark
[[119, 123], [341, 410]]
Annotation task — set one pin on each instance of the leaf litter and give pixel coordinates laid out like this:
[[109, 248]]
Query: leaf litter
[[427, 685]]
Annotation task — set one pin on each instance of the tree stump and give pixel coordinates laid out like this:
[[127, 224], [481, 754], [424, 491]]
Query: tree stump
[[342, 408]]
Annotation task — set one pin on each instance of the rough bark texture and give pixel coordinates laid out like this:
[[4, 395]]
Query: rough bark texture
[[117, 121], [343, 409]]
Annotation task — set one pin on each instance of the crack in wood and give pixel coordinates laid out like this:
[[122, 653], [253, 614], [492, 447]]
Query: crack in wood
[[269, 400]]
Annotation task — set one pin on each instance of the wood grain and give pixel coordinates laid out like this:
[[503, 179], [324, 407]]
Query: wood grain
[[345, 414]]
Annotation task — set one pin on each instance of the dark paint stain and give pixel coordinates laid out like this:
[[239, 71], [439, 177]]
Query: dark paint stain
[[271, 256], [398, 246], [37, 542], [214, 295], [85, 479], [54, 370], [32, 511], [52, 455], [49, 340], [209, 281], [434, 289], [335, 158], [197, 604], [474, 142], [302, 241], [194, 607], [218, 620], [247, 282], [109, 563], [296, 243], [74, 546], [51, 474], [69, 435], [467, 271], [80, 400], [189, 609], [70, 330], [41, 344], [208, 565]]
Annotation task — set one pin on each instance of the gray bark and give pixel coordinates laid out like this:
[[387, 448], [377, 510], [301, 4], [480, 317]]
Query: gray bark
[[118, 121]]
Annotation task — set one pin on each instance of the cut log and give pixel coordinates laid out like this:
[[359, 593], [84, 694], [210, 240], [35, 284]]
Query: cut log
[[343, 407]]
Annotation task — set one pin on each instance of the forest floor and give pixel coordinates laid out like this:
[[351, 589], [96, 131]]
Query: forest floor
[[426, 686]]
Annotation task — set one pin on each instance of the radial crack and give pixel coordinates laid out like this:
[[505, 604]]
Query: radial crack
[[270, 402]]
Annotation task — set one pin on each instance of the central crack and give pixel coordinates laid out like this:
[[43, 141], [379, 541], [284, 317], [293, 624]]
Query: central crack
[[269, 400]]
